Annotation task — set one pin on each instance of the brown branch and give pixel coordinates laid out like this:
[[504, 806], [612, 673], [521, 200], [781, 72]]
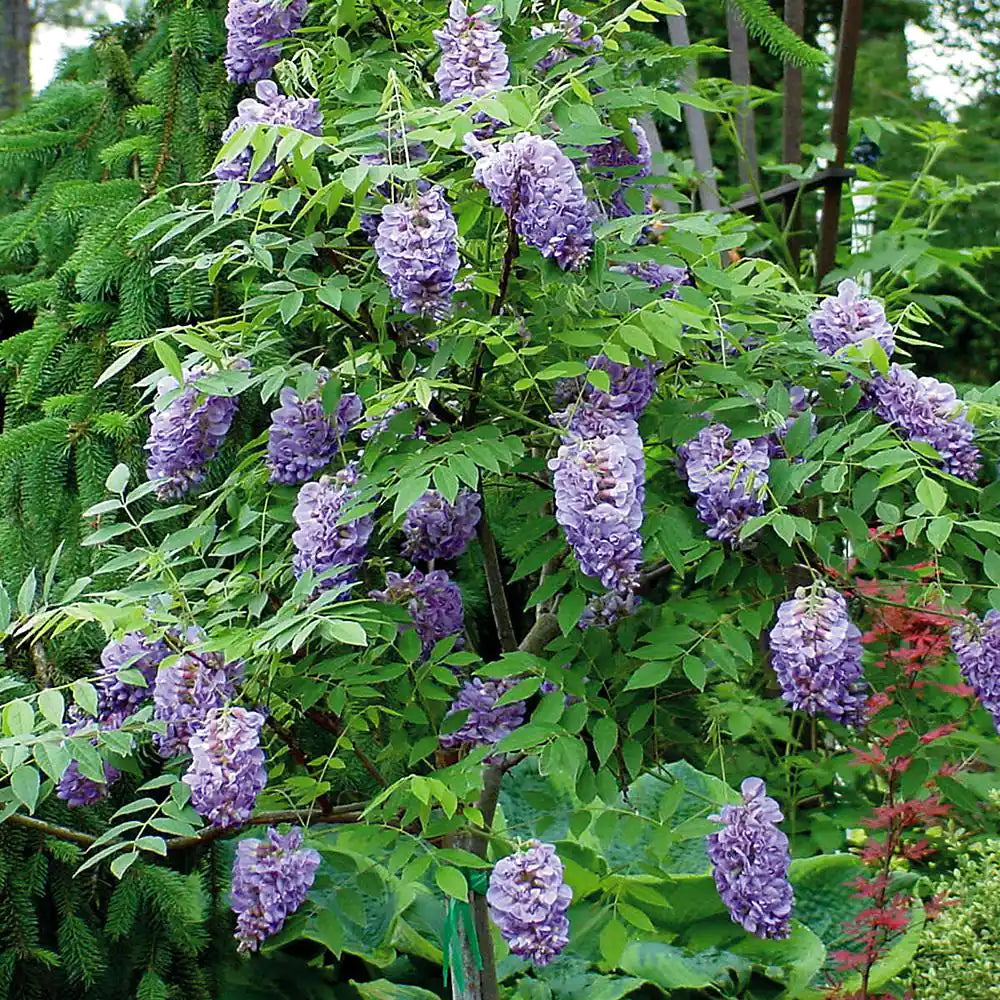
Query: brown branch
[[545, 629], [332, 724], [509, 256], [52, 829], [495, 586]]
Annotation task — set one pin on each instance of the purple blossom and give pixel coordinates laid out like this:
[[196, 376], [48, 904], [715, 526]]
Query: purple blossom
[[186, 434], [227, 766], [76, 789], [667, 277], [924, 409], [630, 390], [433, 601], [606, 610], [816, 653], [397, 154], [571, 30], [436, 529], [487, 724], [614, 159], [474, 59], [528, 900], [270, 880], [599, 479], [417, 248], [537, 185], [727, 479], [117, 699], [977, 649], [187, 689], [254, 26], [270, 108], [850, 318], [750, 862], [323, 541], [303, 437]]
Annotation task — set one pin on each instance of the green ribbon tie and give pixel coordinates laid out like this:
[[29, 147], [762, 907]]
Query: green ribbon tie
[[451, 945]]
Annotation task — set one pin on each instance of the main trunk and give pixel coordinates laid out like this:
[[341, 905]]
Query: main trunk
[[15, 53]]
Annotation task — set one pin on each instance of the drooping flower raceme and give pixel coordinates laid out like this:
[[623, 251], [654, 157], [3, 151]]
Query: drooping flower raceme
[[436, 529], [605, 610], [270, 108], [816, 653], [303, 437], [534, 181], [417, 248], [574, 39], [850, 318], [750, 862], [118, 699], [599, 479], [474, 59], [615, 159], [667, 277], [528, 900], [630, 390], [227, 766], [76, 789], [487, 723], [270, 880], [433, 601], [729, 479], [924, 409], [323, 542], [255, 30], [977, 649], [186, 434], [187, 689]]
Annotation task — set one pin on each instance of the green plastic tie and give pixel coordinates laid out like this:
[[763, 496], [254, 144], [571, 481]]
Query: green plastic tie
[[455, 911]]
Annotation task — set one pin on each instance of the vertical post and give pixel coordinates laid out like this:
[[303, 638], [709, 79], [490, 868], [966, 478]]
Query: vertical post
[[694, 118], [791, 126], [739, 72], [656, 147], [847, 54]]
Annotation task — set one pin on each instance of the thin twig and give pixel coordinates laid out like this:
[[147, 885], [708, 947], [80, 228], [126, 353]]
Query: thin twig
[[298, 755], [333, 724], [495, 586]]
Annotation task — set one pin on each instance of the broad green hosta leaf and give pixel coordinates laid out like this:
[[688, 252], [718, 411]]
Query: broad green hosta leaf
[[824, 901], [350, 908], [570, 979], [673, 968], [382, 989]]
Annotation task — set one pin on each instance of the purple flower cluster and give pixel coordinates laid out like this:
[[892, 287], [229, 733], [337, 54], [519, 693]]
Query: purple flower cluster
[[186, 434], [77, 790], [303, 437], [666, 276], [614, 159], [816, 653], [605, 610], [599, 479], [977, 649], [630, 390], [474, 59], [528, 900], [486, 724], [727, 479], [227, 766], [750, 862], [571, 30], [536, 184], [117, 699], [850, 318], [417, 248], [187, 689], [323, 542], [436, 529], [433, 601], [270, 108], [256, 29], [382, 423], [270, 880], [924, 409]]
